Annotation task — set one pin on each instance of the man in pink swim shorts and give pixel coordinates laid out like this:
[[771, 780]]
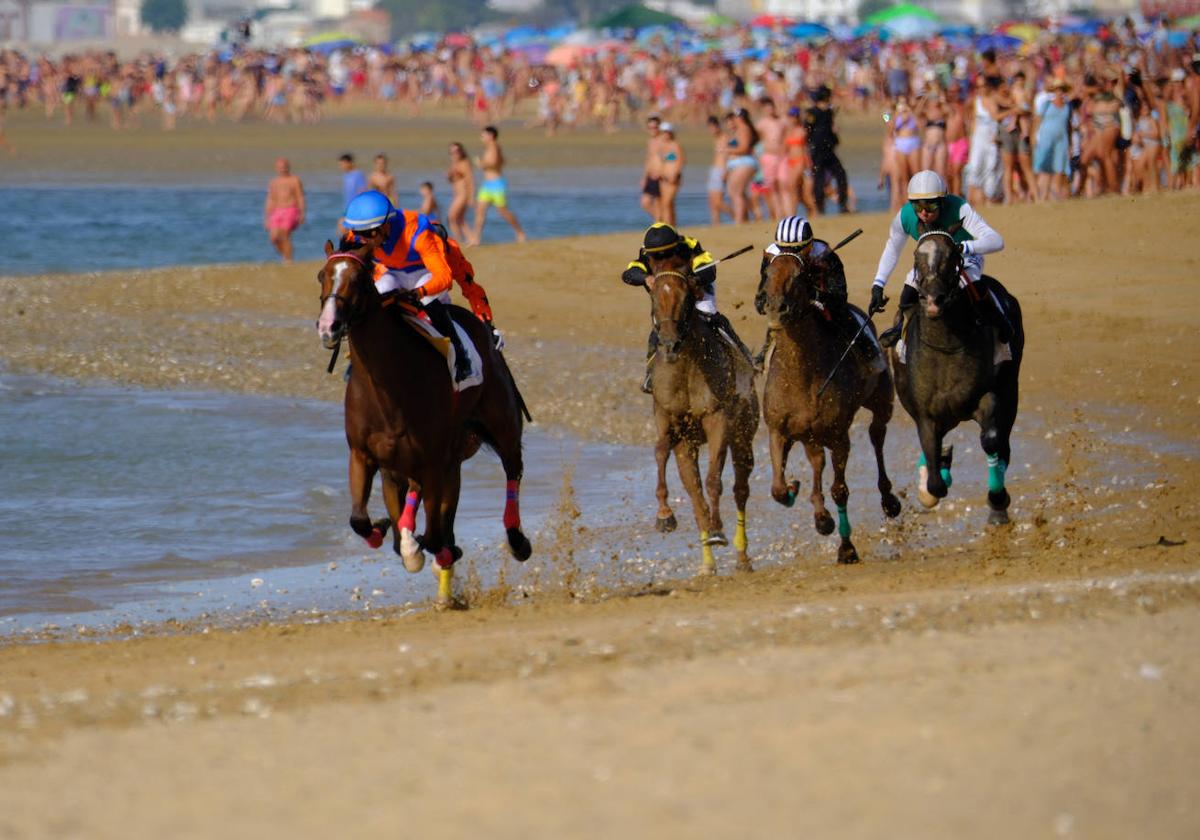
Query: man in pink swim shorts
[[283, 211]]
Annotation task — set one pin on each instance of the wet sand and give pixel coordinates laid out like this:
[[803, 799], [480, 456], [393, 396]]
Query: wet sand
[[1039, 681]]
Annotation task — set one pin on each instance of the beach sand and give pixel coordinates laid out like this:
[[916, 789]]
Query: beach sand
[[1042, 682]]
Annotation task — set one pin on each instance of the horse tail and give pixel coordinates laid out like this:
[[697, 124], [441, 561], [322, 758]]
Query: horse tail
[[512, 381]]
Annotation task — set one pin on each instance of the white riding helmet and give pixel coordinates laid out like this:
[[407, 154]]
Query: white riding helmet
[[793, 232], [926, 184]]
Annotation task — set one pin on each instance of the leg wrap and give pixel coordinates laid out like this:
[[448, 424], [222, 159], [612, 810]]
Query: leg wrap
[[408, 519], [512, 505]]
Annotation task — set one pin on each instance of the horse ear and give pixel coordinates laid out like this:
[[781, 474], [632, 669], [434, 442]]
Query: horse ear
[[328, 248], [954, 228]]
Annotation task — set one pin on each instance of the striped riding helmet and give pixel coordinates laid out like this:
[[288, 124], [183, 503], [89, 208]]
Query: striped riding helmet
[[793, 232]]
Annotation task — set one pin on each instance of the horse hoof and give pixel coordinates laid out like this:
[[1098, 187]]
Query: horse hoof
[[891, 506], [716, 538], [410, 551], [666, 526], [743, 564], [824, 524], [927, 499], [518, 544], [375, 538], [998, 500], [707, 571], [847, 554], [998, 517]]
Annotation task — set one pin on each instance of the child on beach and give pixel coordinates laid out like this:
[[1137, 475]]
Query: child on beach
[[429, 205]]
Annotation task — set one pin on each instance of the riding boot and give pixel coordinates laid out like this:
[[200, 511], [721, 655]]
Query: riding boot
[[720, 322], [908, 299], [760, 360], [651, 349], [439, 316], [996, 317]]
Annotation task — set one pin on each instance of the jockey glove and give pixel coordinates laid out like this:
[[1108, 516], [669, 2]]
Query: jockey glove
[[634, 276], [878, 301]]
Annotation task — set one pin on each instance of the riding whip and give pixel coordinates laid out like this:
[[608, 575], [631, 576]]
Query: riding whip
[[736, 253], [870, 312]]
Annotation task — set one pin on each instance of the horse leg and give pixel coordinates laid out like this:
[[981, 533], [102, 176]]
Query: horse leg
[[362, 473], [665, 521], [716, 432], [404, 514], [514, 469], [990, 440], [821, 517], [451, 489], [742, 450], [933, 480], [881, 415], [687, 460], [434, 537], [782, 492], [841, 495]]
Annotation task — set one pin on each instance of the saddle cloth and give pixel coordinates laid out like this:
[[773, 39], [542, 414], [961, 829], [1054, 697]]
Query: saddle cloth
[[446, 347]]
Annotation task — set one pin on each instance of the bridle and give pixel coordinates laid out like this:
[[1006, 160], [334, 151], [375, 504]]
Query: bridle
[[342, 300], [815, 288], [956, 266], [688, 305]]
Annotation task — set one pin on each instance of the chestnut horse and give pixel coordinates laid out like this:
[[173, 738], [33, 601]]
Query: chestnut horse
[[703, 392], [405, 420], [807, 349]]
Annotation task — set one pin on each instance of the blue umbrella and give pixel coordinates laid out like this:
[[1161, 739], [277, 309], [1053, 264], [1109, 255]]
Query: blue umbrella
[[519, 35], [1083, 27], [957, 31], [805, 31], [1178, 39], [912, 28], [997, 43]]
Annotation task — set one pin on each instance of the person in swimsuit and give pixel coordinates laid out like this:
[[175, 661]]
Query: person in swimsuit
[[382, 180], [429, 204], [672, 172], [796, 189], [958, 147], [770, 130], [283, 211], [717, 204], [1103, 109], [934, 111], [494, 189], [741, 164], [906, 149], [462, 181], [652, 171]]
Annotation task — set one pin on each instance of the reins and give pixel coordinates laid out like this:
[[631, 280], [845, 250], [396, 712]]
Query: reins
[[337, 348]]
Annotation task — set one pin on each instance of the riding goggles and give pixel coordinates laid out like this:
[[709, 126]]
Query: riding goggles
[[929, 205]]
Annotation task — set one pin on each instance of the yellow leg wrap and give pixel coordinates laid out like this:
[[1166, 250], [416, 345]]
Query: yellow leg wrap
[[709, 563], [445, 585], [739, 536]]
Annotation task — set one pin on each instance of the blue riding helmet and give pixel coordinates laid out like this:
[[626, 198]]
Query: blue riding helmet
[[368, 210]]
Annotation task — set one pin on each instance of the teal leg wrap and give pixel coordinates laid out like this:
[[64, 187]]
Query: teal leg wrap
[[946, 477], [996, 470], [843, 523], [921, 460]]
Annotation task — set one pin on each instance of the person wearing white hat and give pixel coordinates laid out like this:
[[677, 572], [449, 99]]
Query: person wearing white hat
[[930, 208], [794, 234]]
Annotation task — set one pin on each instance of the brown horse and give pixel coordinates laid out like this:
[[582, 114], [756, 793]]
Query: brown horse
[[703, 392], [807, 348], [405, 420]]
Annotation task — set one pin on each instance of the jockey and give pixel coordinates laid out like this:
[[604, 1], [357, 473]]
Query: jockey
[[412, 256], [929, 208], [661, 241], [794, 235]]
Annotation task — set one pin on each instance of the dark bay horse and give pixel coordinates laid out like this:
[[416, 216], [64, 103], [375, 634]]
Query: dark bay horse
[[404, 419], [807, 349], [703, 393], [950, 373]]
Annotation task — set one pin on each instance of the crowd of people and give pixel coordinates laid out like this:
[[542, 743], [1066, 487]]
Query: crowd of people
[[1116, 111]]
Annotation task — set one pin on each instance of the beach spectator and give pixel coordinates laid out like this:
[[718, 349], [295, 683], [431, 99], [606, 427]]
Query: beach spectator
[[462, 184], [742, 165], [672, 172], [651, 198], [383, 181], [283, 210], [822, 143], [1052, 147], [905, 134], [493, 191], [353, 183], [983, 176], [429, 203], [771, 160], [717, 205]]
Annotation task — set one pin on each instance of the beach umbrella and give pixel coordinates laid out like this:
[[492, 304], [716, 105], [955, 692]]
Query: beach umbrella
[[717, 21], [1192, 22], [904, 10], [521, 35], [342, 40], [1025, 31], [457, 39], [912, 28], [809, 31], [769, 21], [533, 53], [564, 55], [1081, 27], [635, 17], [957, 30], [997, 43]]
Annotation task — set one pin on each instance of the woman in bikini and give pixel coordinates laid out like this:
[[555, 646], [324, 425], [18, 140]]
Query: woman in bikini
[[716, 173], [1103, 111], [934, 111], [742, 164], [958, 147], [906, 150], [672, 172], [797, 183], [462, 182]]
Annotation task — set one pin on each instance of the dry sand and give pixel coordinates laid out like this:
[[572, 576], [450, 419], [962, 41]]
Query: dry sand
[[1043, 683]]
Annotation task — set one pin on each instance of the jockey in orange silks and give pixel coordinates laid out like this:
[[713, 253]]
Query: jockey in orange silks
[[412, 253]]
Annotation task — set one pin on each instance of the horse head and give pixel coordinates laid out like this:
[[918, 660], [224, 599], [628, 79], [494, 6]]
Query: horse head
[[937, 261], [346, 284], [791, 281], [674, 289]]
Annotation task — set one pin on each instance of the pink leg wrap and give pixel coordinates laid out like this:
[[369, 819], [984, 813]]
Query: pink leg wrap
[[408, 519], [512, 506], [445, 558]]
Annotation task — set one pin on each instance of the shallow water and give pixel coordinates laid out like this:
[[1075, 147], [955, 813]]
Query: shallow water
[[140, 226]]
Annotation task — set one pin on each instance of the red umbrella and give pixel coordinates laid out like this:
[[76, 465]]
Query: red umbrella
[[770, 21], [457, 39]]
